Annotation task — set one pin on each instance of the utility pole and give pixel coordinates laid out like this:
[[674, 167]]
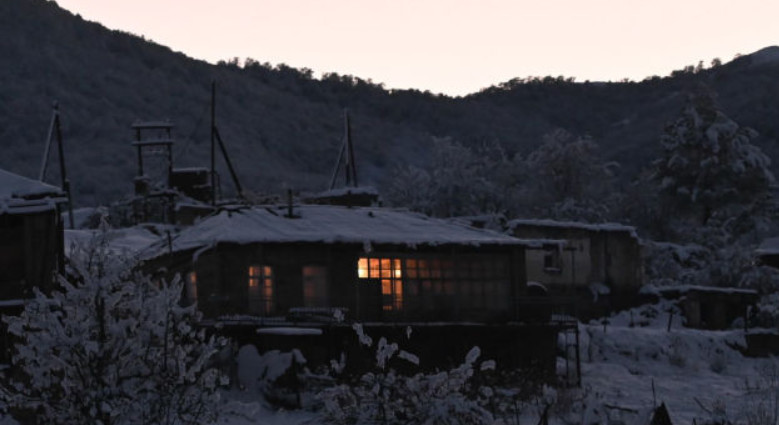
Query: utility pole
[[213, 142]]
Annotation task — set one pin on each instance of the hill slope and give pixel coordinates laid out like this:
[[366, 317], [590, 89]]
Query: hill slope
[[283, 128]]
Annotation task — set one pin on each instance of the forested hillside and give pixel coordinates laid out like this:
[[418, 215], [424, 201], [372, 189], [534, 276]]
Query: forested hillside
[[282, 127]]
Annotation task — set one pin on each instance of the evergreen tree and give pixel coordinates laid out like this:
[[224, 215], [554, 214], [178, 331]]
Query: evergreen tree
[[709, 165]]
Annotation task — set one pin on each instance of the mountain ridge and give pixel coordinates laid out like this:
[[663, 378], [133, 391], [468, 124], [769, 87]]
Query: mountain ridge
[[283, 128]]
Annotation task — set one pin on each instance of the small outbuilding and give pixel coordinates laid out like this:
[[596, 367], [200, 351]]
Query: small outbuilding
[[31, 243], [709, 307], [31, 236], [597, 262]]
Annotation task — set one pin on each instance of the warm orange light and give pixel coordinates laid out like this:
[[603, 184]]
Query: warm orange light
[[362, 268]]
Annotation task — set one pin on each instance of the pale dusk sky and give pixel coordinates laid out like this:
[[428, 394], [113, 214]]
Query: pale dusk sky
[[456, 46]]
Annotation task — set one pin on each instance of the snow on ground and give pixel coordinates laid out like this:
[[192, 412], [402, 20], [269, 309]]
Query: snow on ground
[[626, 368], [698, 374]]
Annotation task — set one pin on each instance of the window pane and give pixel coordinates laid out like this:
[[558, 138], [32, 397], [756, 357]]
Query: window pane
[[374, 263], [386, 287], [362, 268], [427, 286], [449, 287], [315, 286], [191, 289], [386, 264], [267, 271], [411, 263]]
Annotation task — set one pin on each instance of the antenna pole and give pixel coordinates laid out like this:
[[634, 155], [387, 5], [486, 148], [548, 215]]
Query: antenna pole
[[47, 150], [351, 166], [229, 164], [213, 142], [63, 170], [337, 166], [55, 130]]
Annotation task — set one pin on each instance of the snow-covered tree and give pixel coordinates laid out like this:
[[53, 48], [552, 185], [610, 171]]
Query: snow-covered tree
[[709, 165], [458, 182], [569, 179], [113, 347]]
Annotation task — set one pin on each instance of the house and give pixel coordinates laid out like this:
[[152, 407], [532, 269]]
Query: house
[[272, 267], [598, 263], [31, 236]]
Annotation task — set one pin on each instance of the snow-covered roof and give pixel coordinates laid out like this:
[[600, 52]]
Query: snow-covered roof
[[601, 227], [359, 190], [682, 289], [128, 241], [21, 195], [330, 224], [769, 246], [16, 186]]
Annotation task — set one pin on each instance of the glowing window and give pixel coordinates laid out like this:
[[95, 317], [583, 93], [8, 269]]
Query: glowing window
[[387, 272], [190, 288], [260, 290], [315, 286]]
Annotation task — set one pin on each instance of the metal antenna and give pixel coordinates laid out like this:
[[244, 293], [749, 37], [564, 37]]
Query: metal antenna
[[346, 155], [55, 130], [215, 137]]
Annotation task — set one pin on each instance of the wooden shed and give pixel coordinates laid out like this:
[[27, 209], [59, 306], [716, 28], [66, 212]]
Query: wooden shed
[[31, 236], [31, 243], [709, 307]]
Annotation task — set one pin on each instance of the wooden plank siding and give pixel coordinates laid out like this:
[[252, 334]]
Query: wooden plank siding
[[223, 280]]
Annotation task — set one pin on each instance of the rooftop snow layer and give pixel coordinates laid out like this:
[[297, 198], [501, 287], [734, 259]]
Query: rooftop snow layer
[[683, 289], [129, 241], [16, 186], [769, 246], [360, 190], [603, 227], [331, 224]]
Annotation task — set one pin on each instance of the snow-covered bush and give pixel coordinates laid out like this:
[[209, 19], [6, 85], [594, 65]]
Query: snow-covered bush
[[386, 397], [113, 347], [761, 406], [693, 264]]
